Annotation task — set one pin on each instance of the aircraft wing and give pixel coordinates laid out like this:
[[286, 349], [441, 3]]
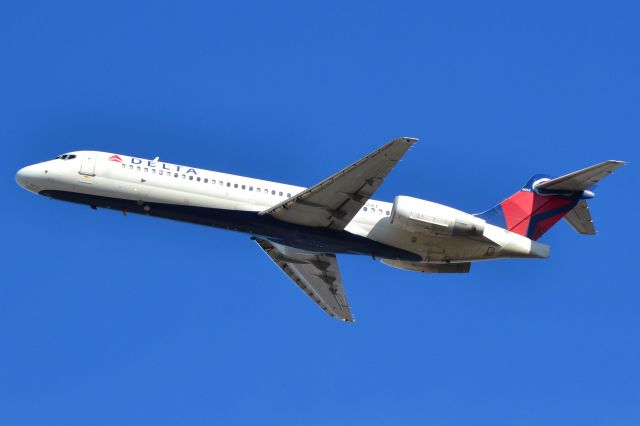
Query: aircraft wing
[[580, 219], [582, 179], [335, 201], [316, 274]]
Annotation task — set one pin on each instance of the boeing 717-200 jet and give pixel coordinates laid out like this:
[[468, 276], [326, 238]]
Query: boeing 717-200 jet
[[303, 229]]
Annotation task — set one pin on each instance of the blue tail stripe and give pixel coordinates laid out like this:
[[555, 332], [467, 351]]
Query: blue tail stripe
[[494, 216]]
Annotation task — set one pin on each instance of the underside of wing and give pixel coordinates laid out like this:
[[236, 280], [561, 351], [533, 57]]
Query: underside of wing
[[580, 219], [336, 200], [317, 275], [582, 179]]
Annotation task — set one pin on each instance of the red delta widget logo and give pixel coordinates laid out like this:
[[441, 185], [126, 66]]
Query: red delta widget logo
[[155, 165]]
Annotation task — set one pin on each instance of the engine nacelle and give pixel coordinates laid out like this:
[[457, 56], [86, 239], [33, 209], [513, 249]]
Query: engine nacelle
[[421, 216]]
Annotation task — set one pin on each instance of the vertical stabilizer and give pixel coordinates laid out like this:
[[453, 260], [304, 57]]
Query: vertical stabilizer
[[528, 213]]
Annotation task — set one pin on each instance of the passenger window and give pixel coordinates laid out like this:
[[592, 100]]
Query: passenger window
[[153, 171], [257, 189], [379, 211], [160, 172], [146, 170], [251, 188], [243, 187], [281, 193], [184, 176], [388, 213], [235, 185], [138, 168], [364, 208], [130, 167], [190, 177], [289, 195], [124, 166], [205, 180], [175, 175], [273, 192]]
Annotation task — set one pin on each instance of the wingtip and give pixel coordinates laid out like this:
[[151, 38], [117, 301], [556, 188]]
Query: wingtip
[[404, 139], [616, 164], [409, 139]]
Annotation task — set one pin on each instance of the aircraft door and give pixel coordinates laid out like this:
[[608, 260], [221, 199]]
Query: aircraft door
[[88, 165]]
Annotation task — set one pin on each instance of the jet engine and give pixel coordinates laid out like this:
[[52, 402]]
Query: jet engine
[[416, 215]]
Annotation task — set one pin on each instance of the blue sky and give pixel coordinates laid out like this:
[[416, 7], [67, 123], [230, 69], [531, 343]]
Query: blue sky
[[113, 320]]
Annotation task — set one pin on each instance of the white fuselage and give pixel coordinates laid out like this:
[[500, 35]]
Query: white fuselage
[[233, 202]]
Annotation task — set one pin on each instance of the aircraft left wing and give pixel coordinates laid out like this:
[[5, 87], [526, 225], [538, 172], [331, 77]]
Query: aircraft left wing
[[317, 274], [335, 201]]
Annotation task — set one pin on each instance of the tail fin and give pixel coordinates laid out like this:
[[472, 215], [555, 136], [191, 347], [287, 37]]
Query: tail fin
[[542, 202]]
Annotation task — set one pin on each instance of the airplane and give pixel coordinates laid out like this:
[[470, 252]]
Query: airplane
[[303, 229]]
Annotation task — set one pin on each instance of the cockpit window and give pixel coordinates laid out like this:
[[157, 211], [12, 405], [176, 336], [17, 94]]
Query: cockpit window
[[66, 157]]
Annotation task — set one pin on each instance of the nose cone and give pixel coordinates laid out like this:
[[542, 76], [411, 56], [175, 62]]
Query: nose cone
[[28, 177]]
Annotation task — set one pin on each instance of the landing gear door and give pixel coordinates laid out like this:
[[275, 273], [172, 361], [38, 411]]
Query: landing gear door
[[88, 165]]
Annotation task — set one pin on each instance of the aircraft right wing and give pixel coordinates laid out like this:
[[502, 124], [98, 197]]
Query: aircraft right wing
[[317, 274], [333, 202]]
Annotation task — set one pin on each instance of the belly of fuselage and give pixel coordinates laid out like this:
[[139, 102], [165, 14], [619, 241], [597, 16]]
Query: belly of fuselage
[[249, 222]]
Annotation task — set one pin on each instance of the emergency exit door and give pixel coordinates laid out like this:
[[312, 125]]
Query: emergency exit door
[[88, 165]]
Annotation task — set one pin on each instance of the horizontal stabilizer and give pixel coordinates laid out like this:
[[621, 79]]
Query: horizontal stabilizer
[[582, 179], [580, 219]]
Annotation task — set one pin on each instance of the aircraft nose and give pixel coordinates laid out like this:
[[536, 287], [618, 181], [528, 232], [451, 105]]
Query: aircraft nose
[[26, 176]]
